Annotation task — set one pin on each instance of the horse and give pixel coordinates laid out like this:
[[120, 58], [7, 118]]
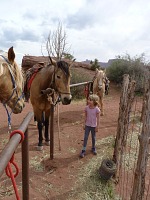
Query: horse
[[49, 79], [99, 87], [11, 83], [107, 82]]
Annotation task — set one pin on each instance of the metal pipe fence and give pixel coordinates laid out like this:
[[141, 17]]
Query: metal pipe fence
[[9, 150]]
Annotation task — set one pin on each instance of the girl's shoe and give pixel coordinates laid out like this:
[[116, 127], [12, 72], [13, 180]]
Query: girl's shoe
[[82, 154], [94, 151]]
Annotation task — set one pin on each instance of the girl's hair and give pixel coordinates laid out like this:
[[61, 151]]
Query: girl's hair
[[94, 98]]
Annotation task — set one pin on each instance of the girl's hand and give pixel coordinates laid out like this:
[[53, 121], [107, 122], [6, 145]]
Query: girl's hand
[[96, 129]]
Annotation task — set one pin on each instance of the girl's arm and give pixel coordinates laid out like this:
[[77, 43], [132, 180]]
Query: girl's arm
[[85, 116], [97, 127]]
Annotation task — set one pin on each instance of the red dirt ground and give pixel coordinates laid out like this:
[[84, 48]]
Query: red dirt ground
[[53, 179]]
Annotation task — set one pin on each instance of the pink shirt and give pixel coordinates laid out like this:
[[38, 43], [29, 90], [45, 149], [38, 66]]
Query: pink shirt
[[91, 119]]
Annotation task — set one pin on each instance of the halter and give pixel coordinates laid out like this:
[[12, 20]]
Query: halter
[[53, 84], [100, 86], [14, 90]]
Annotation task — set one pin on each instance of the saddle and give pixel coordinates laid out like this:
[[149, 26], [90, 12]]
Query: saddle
[[30, 75]]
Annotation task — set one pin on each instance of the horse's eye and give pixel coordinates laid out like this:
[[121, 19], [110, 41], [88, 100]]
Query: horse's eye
[[58, 77]]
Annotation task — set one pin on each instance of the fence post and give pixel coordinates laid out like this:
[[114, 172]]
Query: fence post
[[140, 172], [126, 101], [25, 167]]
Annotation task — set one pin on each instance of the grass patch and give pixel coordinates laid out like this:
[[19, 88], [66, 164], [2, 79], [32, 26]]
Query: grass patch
[[36, 163], [6, 191], [89, 185]]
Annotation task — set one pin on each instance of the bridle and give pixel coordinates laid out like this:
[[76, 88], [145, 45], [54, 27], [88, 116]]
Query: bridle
[[53, 85], [13, 91], [102, 82]]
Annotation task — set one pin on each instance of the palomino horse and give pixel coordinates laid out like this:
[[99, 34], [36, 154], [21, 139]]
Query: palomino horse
[[99, 87], [11, 83], [49, 78]]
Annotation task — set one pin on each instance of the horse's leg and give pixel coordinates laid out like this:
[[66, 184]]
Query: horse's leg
[[35, 121], [40, 127], [47, 115], [38, 114]]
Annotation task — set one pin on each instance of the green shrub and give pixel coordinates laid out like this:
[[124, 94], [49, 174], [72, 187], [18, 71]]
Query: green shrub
[[135, 67], [94, 64]]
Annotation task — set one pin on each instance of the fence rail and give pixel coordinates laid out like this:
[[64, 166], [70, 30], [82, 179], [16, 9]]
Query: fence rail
[[9, 150], [78, 84]]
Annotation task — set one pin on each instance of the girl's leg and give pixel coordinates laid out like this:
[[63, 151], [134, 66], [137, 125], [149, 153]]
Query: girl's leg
[[93, 134], [86, 135]]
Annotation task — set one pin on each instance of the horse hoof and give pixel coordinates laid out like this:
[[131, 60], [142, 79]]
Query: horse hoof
[[39, 148], [47, 143]]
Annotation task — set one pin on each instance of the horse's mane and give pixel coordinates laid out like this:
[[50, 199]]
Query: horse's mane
[[16, 71], [64, 66], [17, 74]]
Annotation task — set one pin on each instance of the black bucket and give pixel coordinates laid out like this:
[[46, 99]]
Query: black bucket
[[107, 169]]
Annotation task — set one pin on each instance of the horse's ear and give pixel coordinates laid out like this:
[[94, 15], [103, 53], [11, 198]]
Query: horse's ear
[[11, 54], [53, 62], [97, 70], [71, 64], [1, 70]]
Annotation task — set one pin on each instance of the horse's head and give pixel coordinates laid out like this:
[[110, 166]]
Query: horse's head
[[100, 75], [62, 81], [11, 83]]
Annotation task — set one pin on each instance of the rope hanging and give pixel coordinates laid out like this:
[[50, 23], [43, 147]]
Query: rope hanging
[[58, 124], [8, 169]]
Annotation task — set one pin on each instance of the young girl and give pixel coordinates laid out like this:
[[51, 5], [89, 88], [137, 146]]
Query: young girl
[[91, 122]]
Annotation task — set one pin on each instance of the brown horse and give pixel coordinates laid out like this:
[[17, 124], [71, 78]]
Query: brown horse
[[99, 87], [52, 77], [11, 83]]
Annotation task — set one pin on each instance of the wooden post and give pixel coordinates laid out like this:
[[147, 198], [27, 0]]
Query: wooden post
[[52, 130], [126, 101], [25, 167], [140, 172]]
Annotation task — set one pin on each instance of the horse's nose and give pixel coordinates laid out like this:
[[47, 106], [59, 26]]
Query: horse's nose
[[67, 101], [100, 87], [21, 107]]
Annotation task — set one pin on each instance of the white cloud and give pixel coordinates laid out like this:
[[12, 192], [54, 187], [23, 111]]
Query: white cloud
[[95, 29]]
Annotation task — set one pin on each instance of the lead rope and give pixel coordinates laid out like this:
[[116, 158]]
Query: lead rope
[[58, 124], [8, 169], [56, 103], [9, 113], [9, 118]]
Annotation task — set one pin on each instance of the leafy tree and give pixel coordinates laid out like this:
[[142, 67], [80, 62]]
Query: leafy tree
[[68, 56], [135, 67], [94, 64]]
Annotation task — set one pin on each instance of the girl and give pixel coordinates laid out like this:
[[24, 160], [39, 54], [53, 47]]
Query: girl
[[91, 122]]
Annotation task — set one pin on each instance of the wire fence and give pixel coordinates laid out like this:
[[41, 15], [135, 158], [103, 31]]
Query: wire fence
[[131, 153]]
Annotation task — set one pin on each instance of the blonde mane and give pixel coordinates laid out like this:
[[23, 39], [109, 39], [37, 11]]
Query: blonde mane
[[11, 82], [16, 72]]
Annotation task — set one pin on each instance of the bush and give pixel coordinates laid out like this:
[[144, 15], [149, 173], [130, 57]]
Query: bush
[[135, 67], [94, 64]]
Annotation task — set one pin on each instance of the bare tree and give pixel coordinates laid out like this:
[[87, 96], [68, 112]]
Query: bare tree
[[56, 44]]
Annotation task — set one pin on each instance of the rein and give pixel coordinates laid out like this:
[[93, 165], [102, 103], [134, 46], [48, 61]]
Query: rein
[[14, 90]]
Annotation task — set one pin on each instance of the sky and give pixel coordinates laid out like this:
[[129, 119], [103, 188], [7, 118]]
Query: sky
[[95, 28]]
